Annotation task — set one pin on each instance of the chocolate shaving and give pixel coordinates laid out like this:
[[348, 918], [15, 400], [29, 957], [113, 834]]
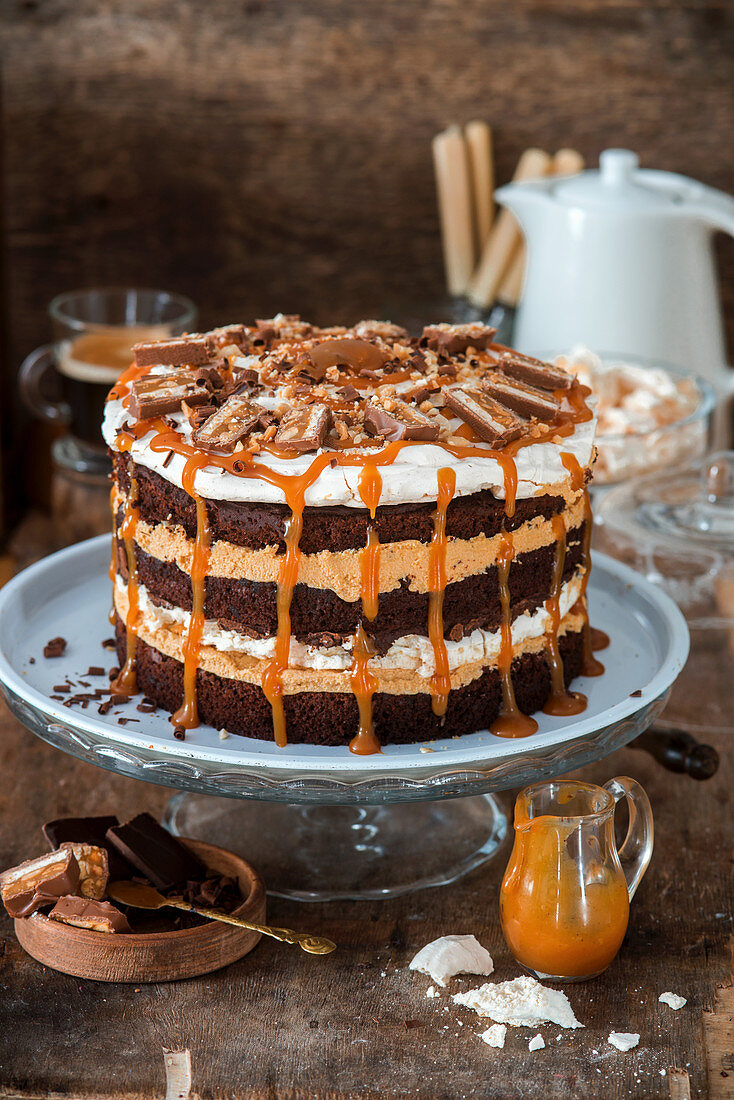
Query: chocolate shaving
[[535, 372], [96, 670], [55, 648], [453, 339], [164, 393], [224, 429], [304, 429], [490, 420], [178, 352], [349, 392], [520, 398], [401, 422]]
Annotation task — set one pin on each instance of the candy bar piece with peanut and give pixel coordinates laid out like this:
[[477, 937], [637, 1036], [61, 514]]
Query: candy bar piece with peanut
[[161, 394], [39, 882], [304, 429], [232, 422], [97, 916], [453, 339], [490, 420], [535, 372], [523, 399], [94, 868], [400, 421], [180, 351]]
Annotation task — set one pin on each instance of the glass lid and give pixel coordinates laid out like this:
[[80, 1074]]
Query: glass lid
[[684, 509]]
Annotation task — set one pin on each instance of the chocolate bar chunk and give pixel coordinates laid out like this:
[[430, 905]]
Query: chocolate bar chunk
[[99, 916], [403, 421], [232, 421], [521, 398], [88, 830], [490, 420], [39, 882], [163, 393], [304, 429], [453, 339], [535, 372], [94, 873], [384, 330], [228, 334], [178, 352], [154, 853]]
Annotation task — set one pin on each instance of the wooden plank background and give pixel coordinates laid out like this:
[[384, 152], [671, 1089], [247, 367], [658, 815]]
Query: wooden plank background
[[276, 155]]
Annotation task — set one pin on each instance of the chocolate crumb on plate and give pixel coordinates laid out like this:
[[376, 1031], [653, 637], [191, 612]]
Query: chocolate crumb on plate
[[55, 648]]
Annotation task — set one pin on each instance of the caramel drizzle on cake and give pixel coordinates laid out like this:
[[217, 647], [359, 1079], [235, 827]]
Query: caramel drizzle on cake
[[590, 666], [125, 683], [522, 403], [441, 679]]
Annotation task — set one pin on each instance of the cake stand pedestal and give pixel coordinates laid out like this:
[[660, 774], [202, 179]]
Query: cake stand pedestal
[[320, 822], [324, 853]]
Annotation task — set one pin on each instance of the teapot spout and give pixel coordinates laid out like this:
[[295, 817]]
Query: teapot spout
[[526, 200]]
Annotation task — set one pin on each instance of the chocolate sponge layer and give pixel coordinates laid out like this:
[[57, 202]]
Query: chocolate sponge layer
[[250, 606], [326, 718], [330, 528]]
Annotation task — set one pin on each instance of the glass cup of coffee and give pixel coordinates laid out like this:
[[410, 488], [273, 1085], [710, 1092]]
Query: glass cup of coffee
[[67, 382]]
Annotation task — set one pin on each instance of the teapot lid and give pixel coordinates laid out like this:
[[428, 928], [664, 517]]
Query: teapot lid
[[619, 180]]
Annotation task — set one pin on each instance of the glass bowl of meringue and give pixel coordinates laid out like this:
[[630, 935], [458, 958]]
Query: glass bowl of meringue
[[651, 415]]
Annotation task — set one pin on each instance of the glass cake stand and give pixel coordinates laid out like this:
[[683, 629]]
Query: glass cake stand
[[321, 823]]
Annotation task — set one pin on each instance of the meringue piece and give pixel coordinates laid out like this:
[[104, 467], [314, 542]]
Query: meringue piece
[[449, 955], [494, 1036], [537, 1042], [673, 999], [624, 1040], [522, 1002]]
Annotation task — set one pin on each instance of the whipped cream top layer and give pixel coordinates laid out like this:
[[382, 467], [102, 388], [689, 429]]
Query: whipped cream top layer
[[429, 393]]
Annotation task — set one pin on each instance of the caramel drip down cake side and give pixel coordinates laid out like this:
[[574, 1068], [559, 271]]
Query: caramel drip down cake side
[[350, 536]]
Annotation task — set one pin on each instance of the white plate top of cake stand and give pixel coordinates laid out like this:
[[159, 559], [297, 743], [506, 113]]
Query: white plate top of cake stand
[[68, 595]]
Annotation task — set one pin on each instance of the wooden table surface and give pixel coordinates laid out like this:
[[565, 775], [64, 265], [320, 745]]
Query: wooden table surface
[[357, 1023]]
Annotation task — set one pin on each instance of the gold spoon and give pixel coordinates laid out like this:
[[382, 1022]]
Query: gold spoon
[[141, 896]]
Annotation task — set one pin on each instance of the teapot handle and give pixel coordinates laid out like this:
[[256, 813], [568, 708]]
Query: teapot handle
[[636, 849]]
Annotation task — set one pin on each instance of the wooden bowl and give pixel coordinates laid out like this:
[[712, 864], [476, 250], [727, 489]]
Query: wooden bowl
[[152, 956]]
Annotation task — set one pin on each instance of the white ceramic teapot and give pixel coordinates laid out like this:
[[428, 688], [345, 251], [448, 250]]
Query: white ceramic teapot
[[621, 260]]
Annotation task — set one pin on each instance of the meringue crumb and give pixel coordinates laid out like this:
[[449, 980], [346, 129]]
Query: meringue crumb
[[224, 735], [426, 748], [432, 992], [674, 1000], [449, 955], [537, 1042], [623, 1040], [494, 1036]]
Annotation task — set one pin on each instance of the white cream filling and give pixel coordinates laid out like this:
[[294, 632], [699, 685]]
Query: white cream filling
[[413, 652], [410, 479]]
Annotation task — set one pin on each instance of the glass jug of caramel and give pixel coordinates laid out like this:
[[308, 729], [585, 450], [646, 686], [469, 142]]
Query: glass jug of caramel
[[564, 902]]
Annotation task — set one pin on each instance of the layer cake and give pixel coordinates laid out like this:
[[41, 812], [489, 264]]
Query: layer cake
[[350, 536]]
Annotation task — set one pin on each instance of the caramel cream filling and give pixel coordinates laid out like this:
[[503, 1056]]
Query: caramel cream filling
[[406, 668], [339, 571]]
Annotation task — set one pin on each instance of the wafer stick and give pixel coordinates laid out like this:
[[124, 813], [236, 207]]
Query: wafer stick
[[451, 165], [481, 163], [505, 235], [566, 162]]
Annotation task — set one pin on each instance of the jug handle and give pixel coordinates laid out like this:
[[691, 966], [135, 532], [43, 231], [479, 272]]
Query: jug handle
[[715, 208], [635, 851]]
